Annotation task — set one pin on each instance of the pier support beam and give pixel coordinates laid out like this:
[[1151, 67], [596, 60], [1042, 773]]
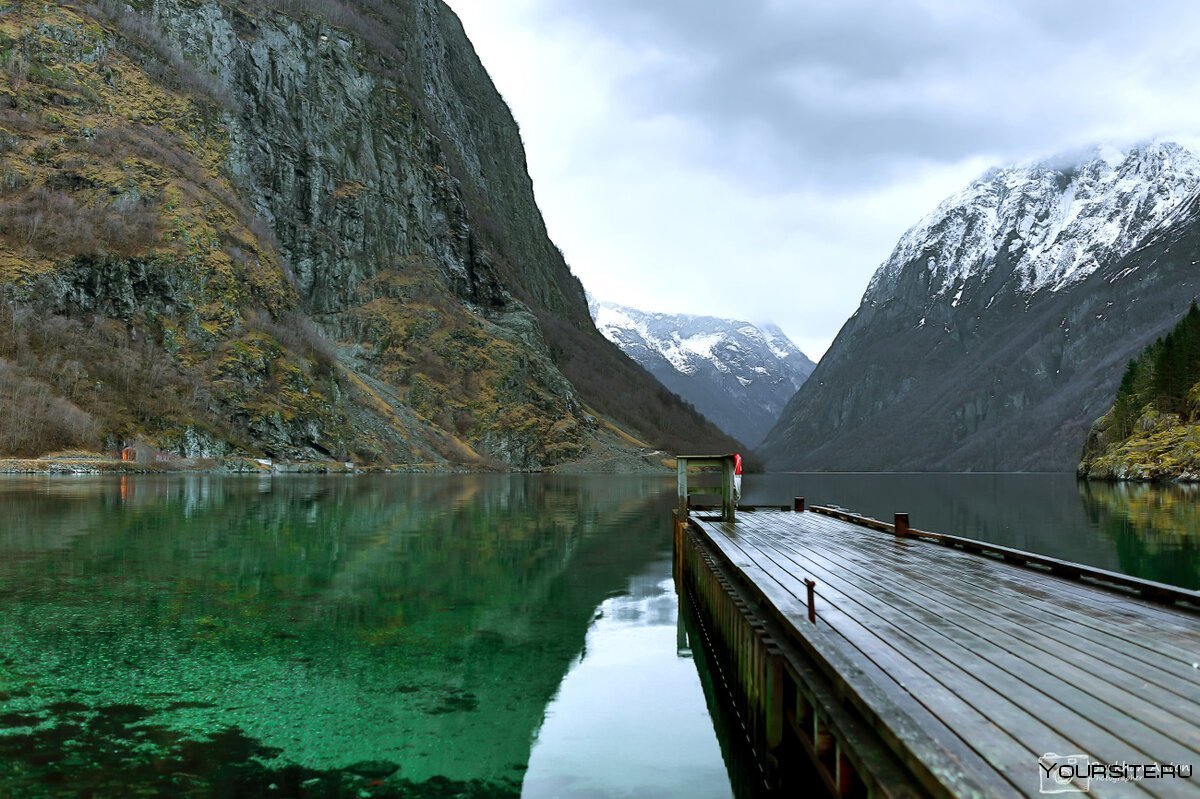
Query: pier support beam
[[679, 520]]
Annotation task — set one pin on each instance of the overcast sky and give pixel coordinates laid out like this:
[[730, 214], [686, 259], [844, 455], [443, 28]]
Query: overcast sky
[[758, 159]]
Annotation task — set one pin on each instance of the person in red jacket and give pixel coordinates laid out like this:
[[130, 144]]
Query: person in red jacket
[[737, 477]]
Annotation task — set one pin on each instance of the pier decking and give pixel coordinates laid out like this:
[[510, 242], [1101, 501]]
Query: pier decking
[[930, 670]]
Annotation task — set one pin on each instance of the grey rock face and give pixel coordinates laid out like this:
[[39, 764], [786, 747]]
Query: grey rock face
[[338, 158], [998, 330], [377, 151], [285, 162], [737, 374]]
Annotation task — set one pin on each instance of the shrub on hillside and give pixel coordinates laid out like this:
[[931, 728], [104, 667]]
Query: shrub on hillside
[[299, 334], [52, 222], [119, 377], [36, 420]]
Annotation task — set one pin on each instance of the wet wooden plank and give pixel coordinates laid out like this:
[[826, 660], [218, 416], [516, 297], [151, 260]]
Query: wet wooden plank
[[1086, 660], [955, 633], [1171, 636], [1009, 725], [1161, 592], [1076, 702], [1164, 633], [1170, 679], [1132, 606]]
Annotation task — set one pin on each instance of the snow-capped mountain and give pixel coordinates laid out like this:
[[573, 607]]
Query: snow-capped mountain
[[1048, 225], [996, 331], [737, 374]]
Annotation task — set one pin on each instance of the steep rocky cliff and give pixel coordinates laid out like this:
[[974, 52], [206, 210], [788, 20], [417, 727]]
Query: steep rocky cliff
[[997, 331], [301, 229]]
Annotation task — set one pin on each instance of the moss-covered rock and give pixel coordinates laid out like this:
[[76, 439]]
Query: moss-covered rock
[[1161, 447]]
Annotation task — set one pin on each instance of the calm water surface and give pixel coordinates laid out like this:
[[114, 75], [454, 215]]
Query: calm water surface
[[345, 636], [1150, 531], [421, 635]]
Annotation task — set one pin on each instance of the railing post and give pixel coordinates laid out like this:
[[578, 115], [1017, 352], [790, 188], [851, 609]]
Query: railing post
[[901, 526], [798, 504], [812, 599]]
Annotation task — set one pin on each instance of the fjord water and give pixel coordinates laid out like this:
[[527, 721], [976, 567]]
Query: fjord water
[[400, 635], [417, 635], [1146, 530]]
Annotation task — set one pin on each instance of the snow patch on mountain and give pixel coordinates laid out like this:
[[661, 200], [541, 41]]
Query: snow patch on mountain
[[1052, 223], [738, 374]]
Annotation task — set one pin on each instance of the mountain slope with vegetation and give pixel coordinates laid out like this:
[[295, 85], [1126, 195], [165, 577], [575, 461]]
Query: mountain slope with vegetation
[[1153, 429], [296, 229]]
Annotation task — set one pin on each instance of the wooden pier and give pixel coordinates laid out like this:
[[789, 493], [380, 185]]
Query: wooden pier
[[880, 660]]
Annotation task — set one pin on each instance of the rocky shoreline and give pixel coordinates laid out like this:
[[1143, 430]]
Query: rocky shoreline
[[95, 466], [1151, 476], [604, 460], [1162, 448]]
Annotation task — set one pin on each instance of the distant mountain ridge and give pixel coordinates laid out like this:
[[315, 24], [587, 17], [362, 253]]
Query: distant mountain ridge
[[1048, 225], [999, 327], [739, 375]]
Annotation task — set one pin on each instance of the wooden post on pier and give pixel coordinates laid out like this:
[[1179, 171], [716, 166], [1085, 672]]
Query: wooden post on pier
[[901, 526], [681, 506], [798, 504], [725, 490], [728, 503]]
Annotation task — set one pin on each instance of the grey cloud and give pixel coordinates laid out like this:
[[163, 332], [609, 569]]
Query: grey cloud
[[853, 91], [794, 140]]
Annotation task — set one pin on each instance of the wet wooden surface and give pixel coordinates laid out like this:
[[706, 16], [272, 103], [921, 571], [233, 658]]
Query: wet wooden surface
[[979, 665]]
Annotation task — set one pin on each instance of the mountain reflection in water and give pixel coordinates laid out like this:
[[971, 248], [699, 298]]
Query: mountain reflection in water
[[394, 635], [422, 635]]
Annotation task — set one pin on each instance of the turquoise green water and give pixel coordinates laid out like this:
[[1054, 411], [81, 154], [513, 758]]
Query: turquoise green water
[[429, 636], [355, 636]]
